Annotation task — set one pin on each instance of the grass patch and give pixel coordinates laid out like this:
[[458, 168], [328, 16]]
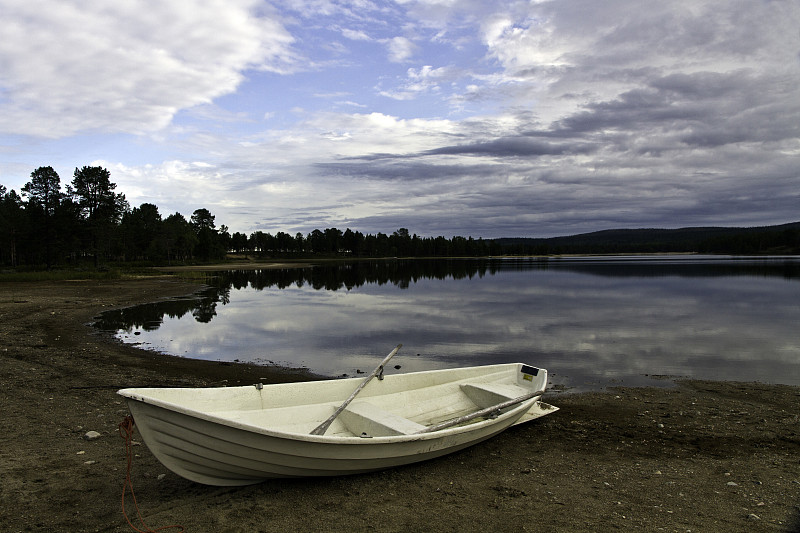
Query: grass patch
[[199, 276], [61, 275]]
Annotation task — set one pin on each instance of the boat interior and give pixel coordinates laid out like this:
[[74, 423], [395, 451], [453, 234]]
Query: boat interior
[[402, 404]]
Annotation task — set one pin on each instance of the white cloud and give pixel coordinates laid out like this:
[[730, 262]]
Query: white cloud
[[671, 35], [294, 193], [355, 35], [400, 49], [422, 80], [350, 103], [73, 66]]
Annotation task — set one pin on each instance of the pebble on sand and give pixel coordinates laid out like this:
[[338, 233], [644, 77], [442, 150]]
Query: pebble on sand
[[92, 435]]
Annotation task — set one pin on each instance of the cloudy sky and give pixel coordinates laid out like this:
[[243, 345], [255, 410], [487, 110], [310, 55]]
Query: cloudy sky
[[446, 117]]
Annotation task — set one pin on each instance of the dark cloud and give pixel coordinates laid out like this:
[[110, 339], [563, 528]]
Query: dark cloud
[[513, 147], [704, 109], [402, 169]]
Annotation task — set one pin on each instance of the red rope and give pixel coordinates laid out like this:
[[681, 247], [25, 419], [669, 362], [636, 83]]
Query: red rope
[[126, 432]]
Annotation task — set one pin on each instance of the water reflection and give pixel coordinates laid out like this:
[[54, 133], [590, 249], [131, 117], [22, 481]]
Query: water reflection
[[589, 321]]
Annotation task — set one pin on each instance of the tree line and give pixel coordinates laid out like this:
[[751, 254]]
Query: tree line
[[88, 221]]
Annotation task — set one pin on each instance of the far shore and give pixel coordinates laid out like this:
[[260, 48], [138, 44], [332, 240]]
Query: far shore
[[237, 265]]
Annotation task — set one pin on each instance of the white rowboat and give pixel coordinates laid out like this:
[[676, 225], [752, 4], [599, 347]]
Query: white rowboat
[[244, 435]]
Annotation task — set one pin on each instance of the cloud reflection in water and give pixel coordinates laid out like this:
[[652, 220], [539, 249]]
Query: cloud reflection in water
[[589, 324]]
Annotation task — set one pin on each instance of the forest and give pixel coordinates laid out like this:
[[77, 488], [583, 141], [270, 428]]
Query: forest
[[89, 223]]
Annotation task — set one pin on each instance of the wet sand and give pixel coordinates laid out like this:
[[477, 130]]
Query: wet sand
[[700, 456]]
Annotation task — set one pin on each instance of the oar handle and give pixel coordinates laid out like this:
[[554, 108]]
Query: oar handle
[[482, 412], [322, 428]]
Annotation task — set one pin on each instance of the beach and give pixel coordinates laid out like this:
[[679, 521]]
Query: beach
[[695, 456]]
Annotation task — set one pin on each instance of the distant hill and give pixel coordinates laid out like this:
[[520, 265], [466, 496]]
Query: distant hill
[[781, 239]]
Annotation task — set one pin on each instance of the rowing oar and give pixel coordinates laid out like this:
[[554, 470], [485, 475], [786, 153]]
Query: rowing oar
[[322, 428], [483, 412]]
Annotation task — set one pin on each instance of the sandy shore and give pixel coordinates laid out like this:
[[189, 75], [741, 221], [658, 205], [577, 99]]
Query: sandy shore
[[702, 456]]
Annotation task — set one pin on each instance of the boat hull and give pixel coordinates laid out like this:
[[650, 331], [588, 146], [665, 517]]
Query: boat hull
[[217, 448]]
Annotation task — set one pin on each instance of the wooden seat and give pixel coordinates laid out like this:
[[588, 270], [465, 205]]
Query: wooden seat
[[488, 394], [372, 421]]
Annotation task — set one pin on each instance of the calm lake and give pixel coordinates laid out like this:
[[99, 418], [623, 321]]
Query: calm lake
[[591, 322]]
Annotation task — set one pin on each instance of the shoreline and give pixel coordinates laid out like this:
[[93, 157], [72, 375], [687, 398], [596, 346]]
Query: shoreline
[[702, 455], [250, 265]]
